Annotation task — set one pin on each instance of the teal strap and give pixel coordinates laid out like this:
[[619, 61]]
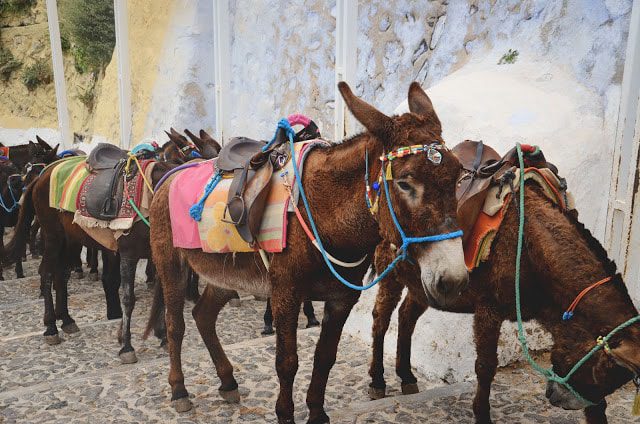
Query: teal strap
[[135, 208], [548, 373]]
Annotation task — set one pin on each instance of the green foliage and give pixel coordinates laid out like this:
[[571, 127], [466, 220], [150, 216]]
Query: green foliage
[[509, 57], [8, 64], [88, 96], [65, 43], [91, 28], [39, 73], [16, 6]]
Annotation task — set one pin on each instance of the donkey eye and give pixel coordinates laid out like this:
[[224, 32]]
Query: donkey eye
[[403, 185]]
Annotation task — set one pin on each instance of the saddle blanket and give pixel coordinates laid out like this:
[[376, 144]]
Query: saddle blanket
[[478, 245], [213, 235], [64, 183], [134, 189]]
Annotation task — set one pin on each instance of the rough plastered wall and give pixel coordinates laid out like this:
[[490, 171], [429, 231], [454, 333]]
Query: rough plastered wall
[[282, 56], [561, 93]]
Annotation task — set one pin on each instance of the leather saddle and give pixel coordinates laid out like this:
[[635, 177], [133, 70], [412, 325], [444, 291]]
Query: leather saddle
[[104, 197], [252, 170], [483, 167]]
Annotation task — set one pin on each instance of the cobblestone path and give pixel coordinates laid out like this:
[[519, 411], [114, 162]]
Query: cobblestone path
[[83, 381]]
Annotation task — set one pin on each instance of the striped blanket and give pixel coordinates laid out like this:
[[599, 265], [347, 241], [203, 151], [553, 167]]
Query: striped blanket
[[64, 184], [211, 234]]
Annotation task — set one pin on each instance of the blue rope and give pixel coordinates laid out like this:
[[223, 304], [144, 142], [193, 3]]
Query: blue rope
[[195, 211], [282, 124], [406, 241], [13, 197]]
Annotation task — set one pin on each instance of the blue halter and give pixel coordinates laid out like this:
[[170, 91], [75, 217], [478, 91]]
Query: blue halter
[[406, 241], [15, 205]]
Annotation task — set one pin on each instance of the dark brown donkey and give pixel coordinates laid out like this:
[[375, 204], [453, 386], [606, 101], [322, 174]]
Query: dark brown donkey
[[422, 195], [62, 238], [560, 258]]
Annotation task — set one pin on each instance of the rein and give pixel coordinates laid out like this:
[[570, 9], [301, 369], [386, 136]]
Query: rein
[[601, 343], [15, 204], [406, 241]]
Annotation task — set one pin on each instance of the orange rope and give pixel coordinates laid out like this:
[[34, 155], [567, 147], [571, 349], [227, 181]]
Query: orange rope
[[569, 312]]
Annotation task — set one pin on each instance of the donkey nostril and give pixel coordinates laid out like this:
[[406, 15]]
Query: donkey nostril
[[443, 285]]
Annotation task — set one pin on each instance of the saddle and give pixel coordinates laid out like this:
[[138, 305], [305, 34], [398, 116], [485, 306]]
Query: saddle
[[251, 169], [482, 167], [105, 197]]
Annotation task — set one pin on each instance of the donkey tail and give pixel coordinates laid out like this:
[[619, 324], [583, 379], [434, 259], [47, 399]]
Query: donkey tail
[[16, 246], [156, 316]]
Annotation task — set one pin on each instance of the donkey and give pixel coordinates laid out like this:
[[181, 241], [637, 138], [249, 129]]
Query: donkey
[[10, 192], [422, 194], [62, 235], [560, 258]]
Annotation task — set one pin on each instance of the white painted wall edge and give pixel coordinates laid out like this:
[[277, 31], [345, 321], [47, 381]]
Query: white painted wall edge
[[124, 71]]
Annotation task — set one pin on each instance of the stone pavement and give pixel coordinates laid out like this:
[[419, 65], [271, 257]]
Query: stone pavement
[[82, 380]]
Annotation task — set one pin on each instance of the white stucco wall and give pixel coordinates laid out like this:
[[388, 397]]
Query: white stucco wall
[[562, 93]]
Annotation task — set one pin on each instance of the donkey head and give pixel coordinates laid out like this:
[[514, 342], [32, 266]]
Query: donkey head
[[612, 366], [421, 189], [10, 181], [178, 149], [208, 147]]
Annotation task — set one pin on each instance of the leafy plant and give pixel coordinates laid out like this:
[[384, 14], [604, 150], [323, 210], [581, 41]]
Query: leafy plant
[[8, 64], [16, 6], [87, 96], [509, 57], [91, 28], [39, 73]]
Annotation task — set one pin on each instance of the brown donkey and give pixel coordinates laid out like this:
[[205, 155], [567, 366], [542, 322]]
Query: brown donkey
[[560, 258], [63, 241], [423, 197]]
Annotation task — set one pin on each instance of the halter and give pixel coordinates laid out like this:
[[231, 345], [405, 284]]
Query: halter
[[601, 343], [15, 204], [406, 241]]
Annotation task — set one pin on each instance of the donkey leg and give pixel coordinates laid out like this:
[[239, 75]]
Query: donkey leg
[[69, 325], [92, 261], [307, 308], [389, 294], [335, 315], [486, 332], [150, 272], [205, 313], [19, 269], [128, 298], [3, 252], [111, 285], [173, 277], [410, 311], [192, 293], [596, 414], [51, 336], [268, 319], [285, 311]]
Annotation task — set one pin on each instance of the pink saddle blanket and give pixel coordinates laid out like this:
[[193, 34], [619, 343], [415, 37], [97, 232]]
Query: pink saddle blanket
[[213, 235]]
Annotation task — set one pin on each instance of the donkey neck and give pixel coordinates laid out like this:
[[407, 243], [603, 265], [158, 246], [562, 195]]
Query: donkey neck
[[334, 183], [566, 259]]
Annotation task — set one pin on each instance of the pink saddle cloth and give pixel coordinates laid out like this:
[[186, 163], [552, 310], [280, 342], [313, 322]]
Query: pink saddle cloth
[[213, 235]]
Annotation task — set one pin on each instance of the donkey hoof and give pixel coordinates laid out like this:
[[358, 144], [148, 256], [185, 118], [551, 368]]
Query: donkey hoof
[[376, 393], [182, 404], [20, 275], [150, 284], [235, 303], [53, 340], [268, 330], [78, 275], [231, 396], [70, 328], [93, 276], [131, 358], [410, 389], [312, 323]]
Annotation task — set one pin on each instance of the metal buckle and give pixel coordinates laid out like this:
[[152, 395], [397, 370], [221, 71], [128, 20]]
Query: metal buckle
[[226, 210]]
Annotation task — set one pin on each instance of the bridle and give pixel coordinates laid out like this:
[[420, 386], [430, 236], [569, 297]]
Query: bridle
[[15, 204], [406, 241]]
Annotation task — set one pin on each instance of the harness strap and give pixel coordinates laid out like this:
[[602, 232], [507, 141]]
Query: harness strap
[[569, 312]]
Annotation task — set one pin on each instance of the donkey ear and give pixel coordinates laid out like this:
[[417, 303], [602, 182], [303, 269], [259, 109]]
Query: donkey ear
[[420, 103], [43, 143], [33, 148], [210, 140], [373, 120], [195, 139]]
